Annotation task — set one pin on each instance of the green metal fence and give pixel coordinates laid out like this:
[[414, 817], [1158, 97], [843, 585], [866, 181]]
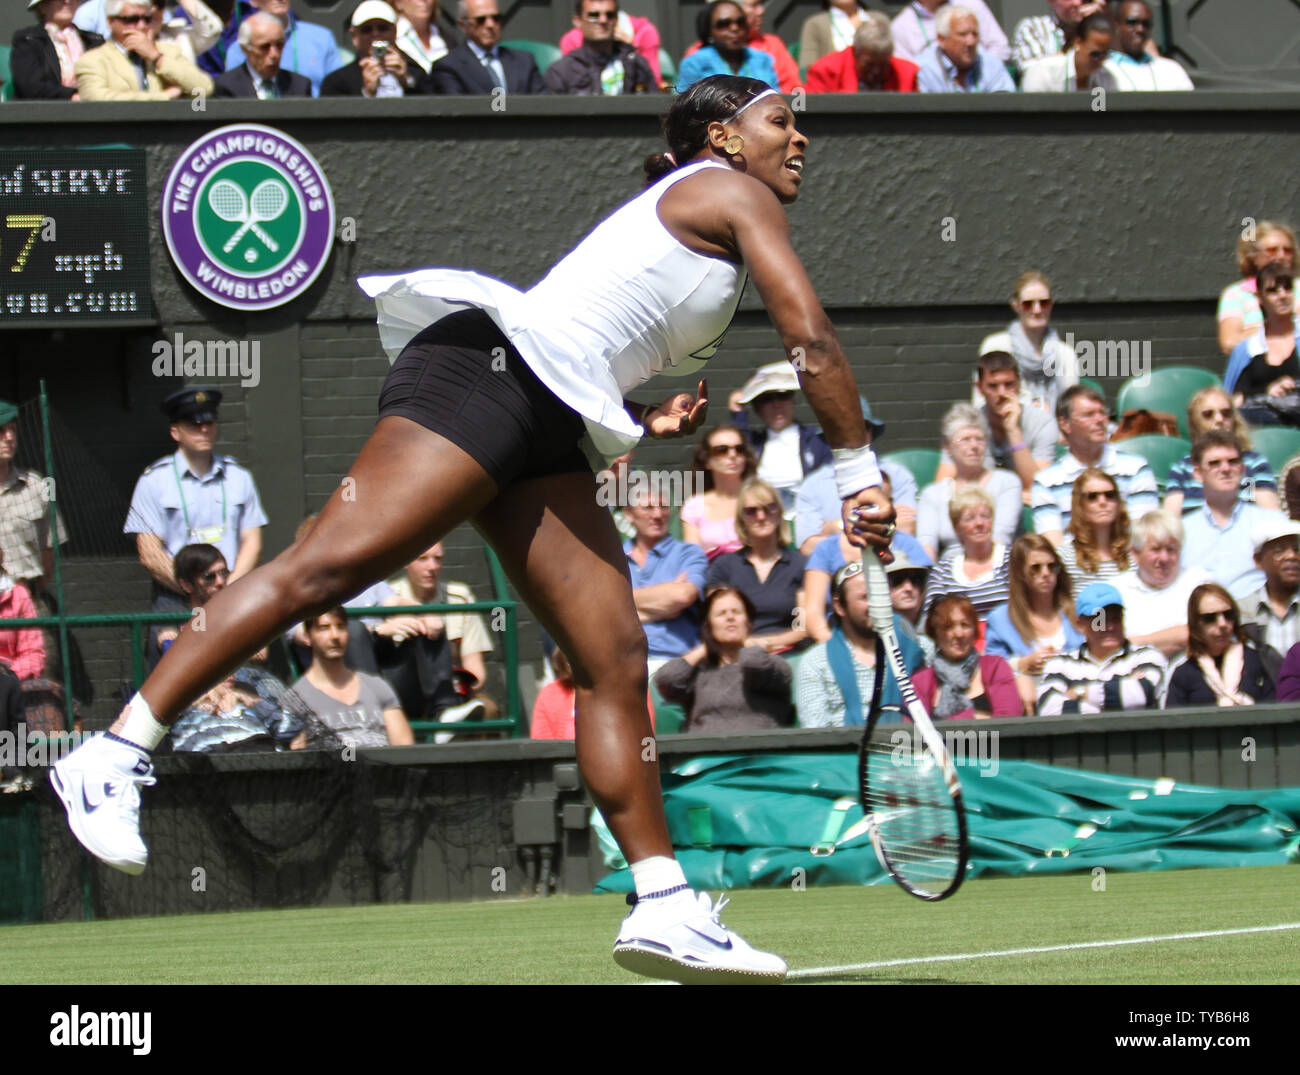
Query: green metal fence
[[138, 622]]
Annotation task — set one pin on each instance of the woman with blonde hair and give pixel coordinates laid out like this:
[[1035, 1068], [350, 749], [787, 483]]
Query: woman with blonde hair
[[1239, 312], [765, 569], [1047, 364], [1096, 544], [977, 565], [1037, 621], [1212, 408]]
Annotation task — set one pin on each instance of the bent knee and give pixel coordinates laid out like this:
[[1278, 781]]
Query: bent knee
[[619, 662], [315, 585]]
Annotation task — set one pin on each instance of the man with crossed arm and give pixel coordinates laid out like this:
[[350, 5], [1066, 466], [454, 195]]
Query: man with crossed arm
[[667, 578]]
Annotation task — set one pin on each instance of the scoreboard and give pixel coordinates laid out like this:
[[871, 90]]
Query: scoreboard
[[74, 237]]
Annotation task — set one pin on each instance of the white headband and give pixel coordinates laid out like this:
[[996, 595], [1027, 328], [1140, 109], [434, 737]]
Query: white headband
[[751, 101]]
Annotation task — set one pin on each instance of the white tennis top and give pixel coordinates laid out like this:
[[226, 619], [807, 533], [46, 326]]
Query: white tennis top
[[628, 302]]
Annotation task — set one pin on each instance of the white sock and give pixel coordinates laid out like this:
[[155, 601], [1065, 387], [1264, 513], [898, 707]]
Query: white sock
[[141, 729], [658, 875]]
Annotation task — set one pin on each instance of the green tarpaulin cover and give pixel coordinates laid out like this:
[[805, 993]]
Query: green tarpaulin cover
[[748, 820]]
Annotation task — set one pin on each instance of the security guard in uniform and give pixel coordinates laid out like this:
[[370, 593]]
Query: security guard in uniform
[[194, 496]]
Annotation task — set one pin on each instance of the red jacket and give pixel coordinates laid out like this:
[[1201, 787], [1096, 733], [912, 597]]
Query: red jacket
[[837, 73], [22, 649]]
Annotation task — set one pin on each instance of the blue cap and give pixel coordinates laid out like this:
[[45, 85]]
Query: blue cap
[[1096, 596]]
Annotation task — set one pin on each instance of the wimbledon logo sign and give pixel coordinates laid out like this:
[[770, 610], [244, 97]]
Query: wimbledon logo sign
[[248, 216]]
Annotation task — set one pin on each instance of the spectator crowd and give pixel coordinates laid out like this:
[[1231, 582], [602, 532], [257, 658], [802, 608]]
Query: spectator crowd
[[125, 50], [1041, 569]]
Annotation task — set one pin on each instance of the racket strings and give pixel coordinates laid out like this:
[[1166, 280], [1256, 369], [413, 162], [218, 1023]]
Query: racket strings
[[917, 820]]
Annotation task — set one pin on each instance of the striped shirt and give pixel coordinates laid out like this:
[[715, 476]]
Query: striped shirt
[[1035, 36], [1054, 487], [1182, 479], [1132, 677], [1106, 569], [1282, 633], [986, 592]]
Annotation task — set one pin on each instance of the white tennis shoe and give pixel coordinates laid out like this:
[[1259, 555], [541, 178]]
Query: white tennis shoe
[[99, 784], [680, 938]]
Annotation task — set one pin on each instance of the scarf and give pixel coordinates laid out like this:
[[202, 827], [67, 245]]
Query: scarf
[[1040, 383], [68, 48], [1226, 687], [954, 681]]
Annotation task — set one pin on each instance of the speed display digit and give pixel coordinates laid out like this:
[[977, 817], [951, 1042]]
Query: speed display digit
[[74, 237]]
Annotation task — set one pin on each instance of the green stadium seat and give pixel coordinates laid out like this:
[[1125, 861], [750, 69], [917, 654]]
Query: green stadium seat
[[1278, 444], [922, 462], [1169, 390], [794, 51], [542, 52], [7, 92], [1161, 452], [667, 67], [5, 50], [669, 717]]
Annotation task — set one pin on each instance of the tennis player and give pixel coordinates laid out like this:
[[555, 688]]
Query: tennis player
[[496, 409]]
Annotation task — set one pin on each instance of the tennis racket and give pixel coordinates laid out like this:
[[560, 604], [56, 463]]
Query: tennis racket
[[912, 796]]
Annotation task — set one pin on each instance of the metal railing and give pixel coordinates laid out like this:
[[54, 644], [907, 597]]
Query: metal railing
[[137, 622]]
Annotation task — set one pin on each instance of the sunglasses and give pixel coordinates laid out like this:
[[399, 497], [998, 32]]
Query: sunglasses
[[133, 20], [1279, 286], [761, 511], [901, 578], [1044, 569], [1036, 304], [719, 450], [212, 576], [1226, 614], [601, 16], [1100, 494], [1144, 23], [1222, 464], [481, 20], [1223, 412], [729, 24]]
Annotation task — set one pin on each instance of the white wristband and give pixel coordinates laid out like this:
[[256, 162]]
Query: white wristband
[[855, 469]]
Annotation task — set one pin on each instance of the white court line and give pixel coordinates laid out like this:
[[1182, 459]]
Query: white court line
[[809, 972]]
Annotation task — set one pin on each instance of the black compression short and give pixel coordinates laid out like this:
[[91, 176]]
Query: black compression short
[[511, 423]]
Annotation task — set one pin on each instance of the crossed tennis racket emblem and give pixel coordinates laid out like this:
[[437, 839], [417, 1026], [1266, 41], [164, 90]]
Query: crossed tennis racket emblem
[[269, 200]]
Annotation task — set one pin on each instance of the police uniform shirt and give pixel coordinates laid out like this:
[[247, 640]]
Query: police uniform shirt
[[182, 509]]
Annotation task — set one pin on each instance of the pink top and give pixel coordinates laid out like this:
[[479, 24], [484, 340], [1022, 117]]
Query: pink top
[[24, 649], [553, 712], [645, 39], [716, 535], [999, 685]]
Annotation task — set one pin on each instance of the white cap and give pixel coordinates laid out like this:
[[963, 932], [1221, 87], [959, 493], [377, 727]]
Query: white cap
[[368, 10], [776, 377], [1279, 526]]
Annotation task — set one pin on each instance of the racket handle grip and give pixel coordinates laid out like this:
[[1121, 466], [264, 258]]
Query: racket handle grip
[[878, 602]]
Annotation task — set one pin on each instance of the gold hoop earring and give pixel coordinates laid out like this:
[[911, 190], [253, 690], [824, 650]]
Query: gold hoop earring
[[733, 145]]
